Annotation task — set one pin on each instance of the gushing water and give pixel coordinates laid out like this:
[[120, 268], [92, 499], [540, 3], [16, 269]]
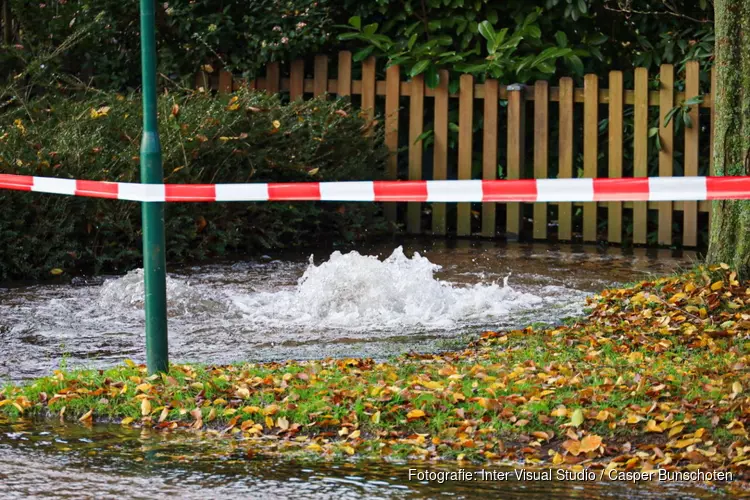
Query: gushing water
[[362, 293]]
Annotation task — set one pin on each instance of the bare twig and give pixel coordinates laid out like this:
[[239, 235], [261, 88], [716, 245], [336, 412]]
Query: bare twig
[[624, 8]]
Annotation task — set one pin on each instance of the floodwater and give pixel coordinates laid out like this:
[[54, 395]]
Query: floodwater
[[48, 460], [378, 302], [375, 302]]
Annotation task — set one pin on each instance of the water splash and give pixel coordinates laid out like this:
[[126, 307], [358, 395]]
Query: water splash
[[362, 293], [183, 299]]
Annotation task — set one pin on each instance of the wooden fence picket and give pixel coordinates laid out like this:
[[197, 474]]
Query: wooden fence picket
[[690, 208], [273, 78], [614, 208], [297, 80], [393, 83], [565, 210], [516, 152], [320, 72], [344, 78], [666, 153], [590, 149], [440, 149], [541, 134], [489, 151], [465, 135], [640, 153], [416, 124]]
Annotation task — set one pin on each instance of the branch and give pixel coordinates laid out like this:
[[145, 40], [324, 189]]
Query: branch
[[625, 9]]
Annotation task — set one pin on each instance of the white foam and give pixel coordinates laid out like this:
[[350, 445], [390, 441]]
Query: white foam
[[361, 293]]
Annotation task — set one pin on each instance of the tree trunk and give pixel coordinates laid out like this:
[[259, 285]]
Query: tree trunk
[[729, 240]]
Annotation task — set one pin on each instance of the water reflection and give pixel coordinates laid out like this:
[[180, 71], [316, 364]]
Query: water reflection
[[45, 459]]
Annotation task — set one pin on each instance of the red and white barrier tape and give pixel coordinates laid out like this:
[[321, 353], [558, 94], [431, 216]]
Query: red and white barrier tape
[[526, 190]]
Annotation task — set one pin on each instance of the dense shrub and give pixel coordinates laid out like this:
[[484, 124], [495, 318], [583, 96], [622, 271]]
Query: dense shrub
[[246, 138], [98, 41]]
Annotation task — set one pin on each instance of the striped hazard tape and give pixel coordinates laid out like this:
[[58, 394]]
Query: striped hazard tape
[[527, 190]]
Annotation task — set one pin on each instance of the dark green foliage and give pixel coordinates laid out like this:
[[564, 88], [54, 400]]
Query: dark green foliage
[[248, 138], [100, 38]]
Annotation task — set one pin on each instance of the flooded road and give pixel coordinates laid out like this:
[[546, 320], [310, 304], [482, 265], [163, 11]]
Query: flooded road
[[378, 302], [374, 302], [109, 461]]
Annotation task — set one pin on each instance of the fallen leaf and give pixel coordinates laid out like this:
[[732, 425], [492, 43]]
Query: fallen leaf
[[577, 418], [590, 443]]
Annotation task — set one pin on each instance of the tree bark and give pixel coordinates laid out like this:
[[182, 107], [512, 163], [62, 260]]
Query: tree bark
[[729, 239]]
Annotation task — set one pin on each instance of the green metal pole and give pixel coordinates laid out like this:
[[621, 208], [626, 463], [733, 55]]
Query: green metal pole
[[154, 259]]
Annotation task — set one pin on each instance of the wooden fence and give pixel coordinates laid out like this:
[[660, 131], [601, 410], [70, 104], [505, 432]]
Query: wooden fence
[[597, 103]]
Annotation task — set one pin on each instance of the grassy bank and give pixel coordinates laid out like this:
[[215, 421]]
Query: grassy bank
[[655, 377]]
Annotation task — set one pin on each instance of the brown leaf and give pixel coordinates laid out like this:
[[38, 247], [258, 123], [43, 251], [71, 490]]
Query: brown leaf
[[590, 443]]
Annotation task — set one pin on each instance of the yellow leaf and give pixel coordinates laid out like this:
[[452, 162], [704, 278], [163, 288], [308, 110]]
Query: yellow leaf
[[269, 422], [163, 415], [271, 410], [683, 443], [313, 171], [211, 414], [276, 124], [375, 418], [557, 459], [590, 443], [676, 430], [126, 421], [86, 416], [577, 418], [724, 266], [145, 407], [207, 68], [282, 423], [56, 271], [736, 387], [348, 449], [651, 426], [143, 387], [354, 435], [559, 412], [717, 286], [415, 414], [130, 363], [572, 447], [634, 419]]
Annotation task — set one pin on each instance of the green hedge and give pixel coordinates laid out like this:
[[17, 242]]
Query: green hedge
[[247, 137]]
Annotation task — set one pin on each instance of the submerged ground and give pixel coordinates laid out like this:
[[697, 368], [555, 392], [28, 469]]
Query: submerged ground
[[655, 376]]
